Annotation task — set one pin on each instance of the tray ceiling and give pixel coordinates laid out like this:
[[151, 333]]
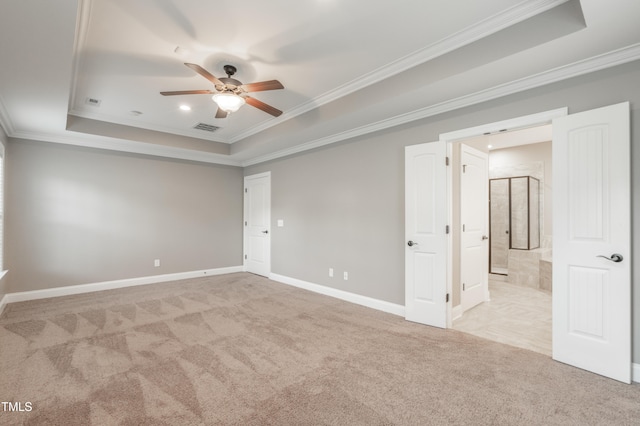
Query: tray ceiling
[[89, 73]]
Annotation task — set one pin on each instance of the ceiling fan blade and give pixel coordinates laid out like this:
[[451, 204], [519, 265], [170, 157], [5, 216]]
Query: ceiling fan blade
[[188, 92], [261, 105], [262, 86], [206, 74], [221, 113]]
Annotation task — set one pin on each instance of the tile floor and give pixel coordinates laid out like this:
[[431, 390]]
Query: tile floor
[[516, 315]]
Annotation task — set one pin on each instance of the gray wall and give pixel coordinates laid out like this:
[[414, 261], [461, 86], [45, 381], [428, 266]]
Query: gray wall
[[79, 215], [343, 205]]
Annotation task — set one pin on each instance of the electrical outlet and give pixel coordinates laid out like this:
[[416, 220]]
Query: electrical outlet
[[156, 263], [331, 272], [346, 275]]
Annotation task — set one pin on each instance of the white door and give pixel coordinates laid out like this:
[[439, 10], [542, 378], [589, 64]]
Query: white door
[[257, 224], [591, 219], [474, 205], [425, 232]]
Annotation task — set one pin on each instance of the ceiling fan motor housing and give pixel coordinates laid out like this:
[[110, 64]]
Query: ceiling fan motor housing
[[230, 81], [230, 70]]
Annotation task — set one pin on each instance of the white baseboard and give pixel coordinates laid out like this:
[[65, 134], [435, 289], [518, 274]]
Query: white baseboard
[[456, 312], [110, 285], [3, 303], [369, 302]]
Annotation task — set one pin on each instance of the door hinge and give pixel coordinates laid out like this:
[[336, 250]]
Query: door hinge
[[246, 190], [446, 229], [245, 223], [447, 300], [464, 286], [464, 168], [245, 257], [463, 227], [446, 161]]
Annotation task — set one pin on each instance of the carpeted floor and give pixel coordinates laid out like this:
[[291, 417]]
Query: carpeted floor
[[240, 349]]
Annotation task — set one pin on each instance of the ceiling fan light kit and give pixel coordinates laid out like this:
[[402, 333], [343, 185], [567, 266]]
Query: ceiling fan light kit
[[230, 94], [228, 102]]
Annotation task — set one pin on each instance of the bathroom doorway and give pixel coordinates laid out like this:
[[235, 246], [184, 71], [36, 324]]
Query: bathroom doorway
[[518, 311]]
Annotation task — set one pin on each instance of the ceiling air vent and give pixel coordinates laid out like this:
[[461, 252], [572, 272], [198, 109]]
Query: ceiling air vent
[[93, 102], [206, 127]]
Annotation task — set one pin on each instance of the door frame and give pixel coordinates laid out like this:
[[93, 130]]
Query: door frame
[[245, 233], [449, 138]]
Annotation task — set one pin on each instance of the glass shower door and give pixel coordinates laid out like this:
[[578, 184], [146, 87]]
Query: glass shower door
[[499, 226]]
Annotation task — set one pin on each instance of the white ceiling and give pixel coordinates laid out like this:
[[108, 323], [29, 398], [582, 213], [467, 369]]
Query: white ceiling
[[511, 138], [348, 66]]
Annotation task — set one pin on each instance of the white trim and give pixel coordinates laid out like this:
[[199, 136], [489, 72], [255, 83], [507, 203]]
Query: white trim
[[123, 145], [525, 121], [475, 32], [456, 312], [258, 175], [597, 63], [245, 220], [82, 28], [189, 133], [3, 303], [358, 299], [110, 285], [504, 19], [530, 120], [635, 372]]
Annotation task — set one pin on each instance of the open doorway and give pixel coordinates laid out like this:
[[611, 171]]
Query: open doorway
[[517, 263], [591, 235]]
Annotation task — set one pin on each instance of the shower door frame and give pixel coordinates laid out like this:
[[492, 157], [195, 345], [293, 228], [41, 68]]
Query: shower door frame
[[510, 231]]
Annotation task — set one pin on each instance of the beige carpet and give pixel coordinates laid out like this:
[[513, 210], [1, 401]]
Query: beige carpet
[[240, 349]]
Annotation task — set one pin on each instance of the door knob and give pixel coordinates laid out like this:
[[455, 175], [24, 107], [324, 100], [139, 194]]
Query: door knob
[[265, 232], [484, 237], [615, 257], [411, 243]]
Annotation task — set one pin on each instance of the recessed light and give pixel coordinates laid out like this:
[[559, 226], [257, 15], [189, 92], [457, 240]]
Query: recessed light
[[185, 107]]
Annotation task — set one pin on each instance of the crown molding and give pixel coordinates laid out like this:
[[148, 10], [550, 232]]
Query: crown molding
[[597, 63], [142, 125], [477, 31], [134, 147], [593, 64], [82, 29]]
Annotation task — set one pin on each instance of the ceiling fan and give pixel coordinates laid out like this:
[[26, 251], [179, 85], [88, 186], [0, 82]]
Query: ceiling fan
[[231, 94]]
